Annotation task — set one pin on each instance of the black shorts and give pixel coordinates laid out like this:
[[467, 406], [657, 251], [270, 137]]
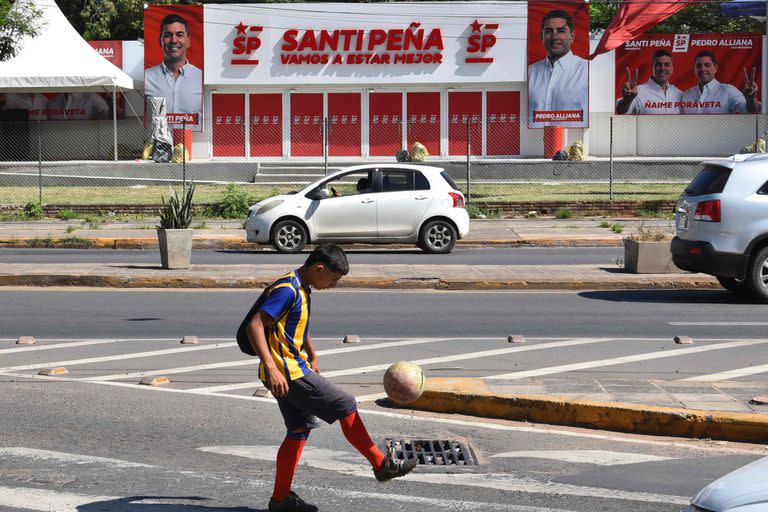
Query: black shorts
[[312, 397]]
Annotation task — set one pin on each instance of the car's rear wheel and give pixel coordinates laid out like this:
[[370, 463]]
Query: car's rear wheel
[[289, 236], [757, 275], [438, 237], [733, 285]]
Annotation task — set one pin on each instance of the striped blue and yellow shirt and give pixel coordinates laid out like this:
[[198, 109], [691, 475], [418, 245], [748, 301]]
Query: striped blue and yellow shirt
[[288, 304]]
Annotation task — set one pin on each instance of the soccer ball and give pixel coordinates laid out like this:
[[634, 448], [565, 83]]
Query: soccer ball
[[404, 382]]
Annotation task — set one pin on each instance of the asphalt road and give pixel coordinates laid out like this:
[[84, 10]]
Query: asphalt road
[[460, 256], [96, 441]]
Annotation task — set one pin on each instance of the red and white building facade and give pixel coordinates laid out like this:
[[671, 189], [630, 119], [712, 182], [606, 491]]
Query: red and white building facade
[[384, 75]]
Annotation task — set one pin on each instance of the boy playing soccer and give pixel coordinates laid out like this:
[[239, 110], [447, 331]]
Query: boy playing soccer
[[289, 368]]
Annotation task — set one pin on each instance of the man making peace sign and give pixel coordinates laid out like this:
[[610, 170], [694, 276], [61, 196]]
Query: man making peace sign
[[657, 95], [712, 97]]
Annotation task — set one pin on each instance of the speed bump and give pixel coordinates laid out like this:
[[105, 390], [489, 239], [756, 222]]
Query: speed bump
[[351, 338], [154, 381], [189, 340], [26, 340], [683, 340], [53, 371], [515, 338]]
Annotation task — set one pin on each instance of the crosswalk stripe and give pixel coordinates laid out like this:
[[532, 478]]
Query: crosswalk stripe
[[728, 375], [422, 362], [622, 360], [45, 500], [132, 355], [254, 360], [36, 348]]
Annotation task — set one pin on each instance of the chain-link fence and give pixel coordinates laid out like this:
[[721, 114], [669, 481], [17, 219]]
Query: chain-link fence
[[493, 159]]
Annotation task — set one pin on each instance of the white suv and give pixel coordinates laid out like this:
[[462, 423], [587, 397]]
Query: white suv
[[722, 224], [375, 203]]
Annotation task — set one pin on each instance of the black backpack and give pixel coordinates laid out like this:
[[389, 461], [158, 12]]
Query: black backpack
[[243, 341]]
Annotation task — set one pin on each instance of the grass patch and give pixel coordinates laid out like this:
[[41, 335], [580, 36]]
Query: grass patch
[[605, 224], [483, 211], [201, 225], [33, 210], [67, 214], [70, 242], [617, 228], [564, 213], [71, 229], [216, 194], [655, 212]]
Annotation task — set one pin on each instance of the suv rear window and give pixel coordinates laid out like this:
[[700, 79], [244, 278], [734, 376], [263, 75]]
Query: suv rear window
[[711, 180], [447, 178]]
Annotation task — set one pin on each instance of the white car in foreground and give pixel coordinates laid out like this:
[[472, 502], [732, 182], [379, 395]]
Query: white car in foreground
[[374, 203], [743, 490]]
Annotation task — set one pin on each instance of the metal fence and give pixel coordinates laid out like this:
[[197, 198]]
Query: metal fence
[[493, 159]]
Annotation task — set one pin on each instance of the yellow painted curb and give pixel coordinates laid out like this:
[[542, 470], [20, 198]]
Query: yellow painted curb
[[473, 397], [53, 371]]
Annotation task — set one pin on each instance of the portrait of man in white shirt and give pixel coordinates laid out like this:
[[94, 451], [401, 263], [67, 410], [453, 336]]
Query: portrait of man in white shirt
[[712, 97], [175, 79], [560, 81], [657, 95]]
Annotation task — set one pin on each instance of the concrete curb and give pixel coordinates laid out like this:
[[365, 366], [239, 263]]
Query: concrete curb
[[181, 281], [238, 243], [474, 397]]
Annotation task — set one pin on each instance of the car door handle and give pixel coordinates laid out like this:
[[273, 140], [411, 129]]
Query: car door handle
[[366, 201], [421, 198]]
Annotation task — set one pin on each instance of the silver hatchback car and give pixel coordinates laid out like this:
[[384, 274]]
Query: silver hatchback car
[[722, 224]]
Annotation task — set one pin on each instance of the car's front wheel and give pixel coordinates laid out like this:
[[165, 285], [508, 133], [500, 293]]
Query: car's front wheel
[[733, 285], [757, 275], [289, 236], [438, 237]]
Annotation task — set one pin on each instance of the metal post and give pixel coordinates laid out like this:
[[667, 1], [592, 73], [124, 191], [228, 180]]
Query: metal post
[[757, 133], [469, 163], [114, 118], [183, 157], [610, 162], [39, 165], [325, 144]]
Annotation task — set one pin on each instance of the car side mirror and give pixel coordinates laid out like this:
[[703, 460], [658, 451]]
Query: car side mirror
[[323, 193]]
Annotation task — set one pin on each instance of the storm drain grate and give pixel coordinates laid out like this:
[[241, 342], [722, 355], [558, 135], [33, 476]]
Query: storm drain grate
[[433, 452]]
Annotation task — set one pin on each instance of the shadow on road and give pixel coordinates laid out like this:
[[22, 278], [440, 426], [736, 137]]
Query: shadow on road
[[670, 296], [129, 504]]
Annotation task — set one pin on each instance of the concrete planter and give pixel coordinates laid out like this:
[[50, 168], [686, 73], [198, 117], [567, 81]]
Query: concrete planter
[[175, 247], [648, 257]]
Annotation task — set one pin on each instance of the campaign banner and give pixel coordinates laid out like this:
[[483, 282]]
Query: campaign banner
[[173, 61], [558, 72], [689, 74]]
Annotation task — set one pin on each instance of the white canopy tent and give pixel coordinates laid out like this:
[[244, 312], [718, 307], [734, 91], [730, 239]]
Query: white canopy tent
[[60, 60]]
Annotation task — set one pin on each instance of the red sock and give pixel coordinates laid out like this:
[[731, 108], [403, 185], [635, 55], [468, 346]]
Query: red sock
[[287, 459], [355, 432]]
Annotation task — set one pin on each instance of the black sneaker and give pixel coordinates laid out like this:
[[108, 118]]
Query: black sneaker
[[291, 504], [394, 468]]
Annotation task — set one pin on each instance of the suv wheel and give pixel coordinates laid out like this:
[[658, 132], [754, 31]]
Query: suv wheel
[[438, 237], [733, 285], [757, 275], [289, 236]]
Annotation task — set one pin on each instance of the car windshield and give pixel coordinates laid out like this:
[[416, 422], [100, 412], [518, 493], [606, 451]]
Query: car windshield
[[711, 180]]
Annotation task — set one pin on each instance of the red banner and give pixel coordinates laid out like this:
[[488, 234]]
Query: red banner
[[502, 123], [689, 74], [558, 72], [307, 124], [465, 111], [173, 58], [344, 124], [266, 124], [385, 128], [228, 124], [424, 120]]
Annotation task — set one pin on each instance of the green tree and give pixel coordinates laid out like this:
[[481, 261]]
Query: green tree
[[15, 24], [698, 18]]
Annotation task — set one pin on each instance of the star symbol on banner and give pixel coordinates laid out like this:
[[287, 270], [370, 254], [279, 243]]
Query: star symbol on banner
[[241, 28], [476, 26]]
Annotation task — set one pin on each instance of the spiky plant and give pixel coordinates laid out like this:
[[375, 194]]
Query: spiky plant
[[177, 212]]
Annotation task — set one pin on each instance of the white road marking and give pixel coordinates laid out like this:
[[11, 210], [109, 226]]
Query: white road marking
[[622, 360], [35, 348], [545, 430], [370, 398], [422, 362], [132, 355], [349, 463], [252, 361], [728, 375], [724, 324], [596, 457], [45, 500], [73, 458]]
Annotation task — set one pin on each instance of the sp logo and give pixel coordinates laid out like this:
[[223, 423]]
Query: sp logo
[[480, 42], [245, 43]]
